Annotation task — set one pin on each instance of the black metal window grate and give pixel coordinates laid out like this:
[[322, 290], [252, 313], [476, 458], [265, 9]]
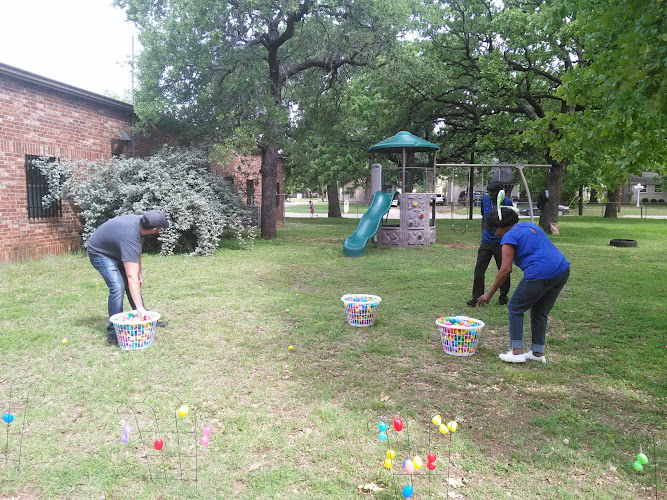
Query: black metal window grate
[[37, 188]]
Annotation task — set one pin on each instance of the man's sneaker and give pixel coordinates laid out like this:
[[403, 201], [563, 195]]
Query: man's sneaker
[[530, 356], [162, 323], [111, 338], [472, 302], [510, 357], [502, 300]]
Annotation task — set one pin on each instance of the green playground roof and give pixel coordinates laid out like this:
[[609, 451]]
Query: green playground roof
[[403, 140]]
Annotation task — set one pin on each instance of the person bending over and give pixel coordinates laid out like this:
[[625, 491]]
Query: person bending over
[[545, 272], [114, 249]]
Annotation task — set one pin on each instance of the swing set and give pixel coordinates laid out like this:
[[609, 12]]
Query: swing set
[[471, 166]]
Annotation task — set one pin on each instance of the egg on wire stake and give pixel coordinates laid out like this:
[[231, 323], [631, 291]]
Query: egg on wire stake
[[183, 411]]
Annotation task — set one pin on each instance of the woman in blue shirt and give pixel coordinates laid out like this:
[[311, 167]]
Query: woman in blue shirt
[[545, 272]]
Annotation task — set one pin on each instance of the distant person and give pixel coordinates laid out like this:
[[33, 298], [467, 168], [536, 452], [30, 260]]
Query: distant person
[[545, 272], [312, 208], [489, 247], [114, 249]]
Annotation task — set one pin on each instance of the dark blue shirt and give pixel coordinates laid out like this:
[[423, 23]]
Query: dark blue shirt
[[489, 206], [535, 255]]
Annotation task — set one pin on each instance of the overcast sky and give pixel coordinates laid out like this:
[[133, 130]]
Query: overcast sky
[[85, 43]]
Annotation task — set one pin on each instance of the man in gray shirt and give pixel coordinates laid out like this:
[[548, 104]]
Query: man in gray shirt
[[114, 250]]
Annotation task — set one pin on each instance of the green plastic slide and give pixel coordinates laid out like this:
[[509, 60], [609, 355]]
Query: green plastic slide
[[355, 245]]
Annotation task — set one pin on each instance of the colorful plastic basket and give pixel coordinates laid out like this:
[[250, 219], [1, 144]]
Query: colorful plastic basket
[[361, 308], [459, 334], [134, 331]]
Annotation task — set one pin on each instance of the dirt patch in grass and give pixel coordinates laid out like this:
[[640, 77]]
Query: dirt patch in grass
[[456, 246]]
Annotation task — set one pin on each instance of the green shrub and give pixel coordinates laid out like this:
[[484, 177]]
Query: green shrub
[[198, 205]]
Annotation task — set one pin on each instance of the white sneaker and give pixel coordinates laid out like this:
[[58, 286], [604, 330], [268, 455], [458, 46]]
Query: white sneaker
[[510, 357], [529, 356]]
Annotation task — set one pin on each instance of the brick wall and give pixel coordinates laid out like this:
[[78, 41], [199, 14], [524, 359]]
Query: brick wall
[[46, 120], [245, 169]]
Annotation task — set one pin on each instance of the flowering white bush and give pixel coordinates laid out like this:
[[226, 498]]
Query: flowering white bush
[[198, 205]]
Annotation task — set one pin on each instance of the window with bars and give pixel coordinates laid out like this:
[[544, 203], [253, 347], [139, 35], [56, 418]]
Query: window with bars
[[37, 188]]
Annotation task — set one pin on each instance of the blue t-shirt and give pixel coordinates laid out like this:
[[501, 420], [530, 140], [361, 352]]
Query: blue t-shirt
[[535, 255], [489, 206], [118, 238]]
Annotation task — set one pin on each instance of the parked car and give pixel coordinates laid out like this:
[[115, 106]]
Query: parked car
[[476, 197], [562, 210], [394, 202], [439, 199]]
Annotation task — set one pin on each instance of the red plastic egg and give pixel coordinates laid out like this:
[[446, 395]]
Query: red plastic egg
[[430, 466], [158, 444], [398, 424], [431, 457]]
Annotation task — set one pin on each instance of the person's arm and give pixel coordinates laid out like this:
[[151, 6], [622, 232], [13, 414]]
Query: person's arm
[[133, 271], [503, 273]]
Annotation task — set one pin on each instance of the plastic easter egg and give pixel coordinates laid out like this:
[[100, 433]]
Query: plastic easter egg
[[417, 461], [158, 444], [382, 426], [390, 453], [290, 348], [183, 411], [452, 426], [388, 462], [127, 429], [204, 440], [206, 431], [8, 418], [124, 438], [64, 341], [430, 466], [642, 459], [409, 466], [431, 457], [638, 467], [444, 429], [398, 424], [382, 436], [407, 491], [437, 420]]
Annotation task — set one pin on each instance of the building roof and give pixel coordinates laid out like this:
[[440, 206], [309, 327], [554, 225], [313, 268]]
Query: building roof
[[63, 88], [403, 140]]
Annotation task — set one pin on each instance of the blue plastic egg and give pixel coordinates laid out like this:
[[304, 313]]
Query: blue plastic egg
[[8, 418], [407, 491], [382, 426]]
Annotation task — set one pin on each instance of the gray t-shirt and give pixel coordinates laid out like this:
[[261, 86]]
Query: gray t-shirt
[[118, 238]]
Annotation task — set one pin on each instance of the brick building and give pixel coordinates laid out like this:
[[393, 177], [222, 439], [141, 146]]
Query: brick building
[[245, 173], [43, 117]]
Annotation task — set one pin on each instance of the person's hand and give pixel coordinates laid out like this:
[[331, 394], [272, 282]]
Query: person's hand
[[142, 312], [483, 299]]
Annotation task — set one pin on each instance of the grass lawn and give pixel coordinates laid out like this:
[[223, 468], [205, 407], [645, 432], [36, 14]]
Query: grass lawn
[[302, 423]]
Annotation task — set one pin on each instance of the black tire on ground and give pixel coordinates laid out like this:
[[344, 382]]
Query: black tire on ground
[[623, 243]]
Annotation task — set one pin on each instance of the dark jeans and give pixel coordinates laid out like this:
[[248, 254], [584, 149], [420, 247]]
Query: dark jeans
[[113, 272], [539, 296], [484, 254]]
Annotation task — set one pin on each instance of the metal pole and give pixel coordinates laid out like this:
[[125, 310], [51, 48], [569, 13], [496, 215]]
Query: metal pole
[[530, 199]]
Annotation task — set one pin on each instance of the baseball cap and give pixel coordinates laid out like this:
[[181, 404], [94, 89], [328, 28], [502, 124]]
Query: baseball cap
[[154, 218]]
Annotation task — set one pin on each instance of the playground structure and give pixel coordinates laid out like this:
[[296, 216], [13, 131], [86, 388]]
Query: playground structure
[[416, 226]]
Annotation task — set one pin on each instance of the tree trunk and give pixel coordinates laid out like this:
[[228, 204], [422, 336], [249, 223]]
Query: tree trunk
[[594, 196], [334, 204], [269, 189], [611, 208], [554, 184]]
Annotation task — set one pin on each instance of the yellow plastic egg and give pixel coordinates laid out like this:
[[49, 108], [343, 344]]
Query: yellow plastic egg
[[291, 348], [388, 462], [182, 411], [444, 429], [417, 461], [64, 341], [437, 420], [452, 426]]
